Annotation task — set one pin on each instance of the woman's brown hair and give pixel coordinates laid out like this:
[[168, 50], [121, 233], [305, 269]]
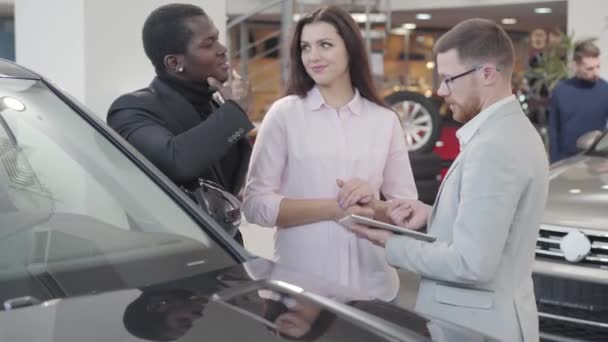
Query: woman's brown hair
[[299, 82]]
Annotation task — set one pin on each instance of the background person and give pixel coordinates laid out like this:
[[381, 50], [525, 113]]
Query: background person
[[578, 104]]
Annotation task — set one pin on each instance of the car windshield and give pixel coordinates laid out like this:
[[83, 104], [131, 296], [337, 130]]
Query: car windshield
[[77, 216], [601, 147]]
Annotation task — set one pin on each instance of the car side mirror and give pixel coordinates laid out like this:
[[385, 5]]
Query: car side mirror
[[585, 141]]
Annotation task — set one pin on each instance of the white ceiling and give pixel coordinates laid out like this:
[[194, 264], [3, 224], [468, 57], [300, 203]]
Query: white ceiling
[[524, 13], [445, 17]]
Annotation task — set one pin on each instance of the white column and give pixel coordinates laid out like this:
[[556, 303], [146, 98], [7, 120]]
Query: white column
[[589, 19], [92, 49], [49, 38]]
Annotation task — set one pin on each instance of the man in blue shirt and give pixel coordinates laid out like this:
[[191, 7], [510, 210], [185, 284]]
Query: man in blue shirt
[[579, 104]]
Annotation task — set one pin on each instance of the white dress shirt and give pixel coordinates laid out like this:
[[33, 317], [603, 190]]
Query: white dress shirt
[[466, 132]]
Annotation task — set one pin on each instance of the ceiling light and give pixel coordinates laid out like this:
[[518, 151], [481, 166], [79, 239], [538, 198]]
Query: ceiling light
[[605, 187], [358, 17], [509, 21], [575, 191], [423, 16], [409, 26], [430, 65], [372, 17], [401, 31], [542, 10]]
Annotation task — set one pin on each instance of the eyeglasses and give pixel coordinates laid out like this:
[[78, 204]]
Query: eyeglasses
[[448, 80]]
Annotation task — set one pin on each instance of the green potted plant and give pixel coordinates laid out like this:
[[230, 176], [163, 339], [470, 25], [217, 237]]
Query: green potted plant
[[550, 65]]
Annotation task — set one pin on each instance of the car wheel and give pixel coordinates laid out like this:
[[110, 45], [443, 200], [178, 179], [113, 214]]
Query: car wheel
[[425, 165], [427, 190], [419, 119]]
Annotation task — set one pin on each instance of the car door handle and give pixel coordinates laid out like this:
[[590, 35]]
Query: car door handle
[[20, 302]]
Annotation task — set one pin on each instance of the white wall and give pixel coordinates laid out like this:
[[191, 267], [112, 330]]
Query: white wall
[[90, 48], [51, 46], [589, 19], [114, 52]]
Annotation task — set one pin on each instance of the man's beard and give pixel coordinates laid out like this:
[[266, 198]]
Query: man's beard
[[468, 110]]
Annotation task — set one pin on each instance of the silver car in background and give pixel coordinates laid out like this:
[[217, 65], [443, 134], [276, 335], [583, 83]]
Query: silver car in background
[[571, 269]]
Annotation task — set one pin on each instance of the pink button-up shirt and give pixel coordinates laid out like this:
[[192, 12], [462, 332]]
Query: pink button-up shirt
[[302, 147]]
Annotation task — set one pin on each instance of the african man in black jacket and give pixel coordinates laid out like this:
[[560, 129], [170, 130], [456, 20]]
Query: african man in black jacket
[[175, 122]]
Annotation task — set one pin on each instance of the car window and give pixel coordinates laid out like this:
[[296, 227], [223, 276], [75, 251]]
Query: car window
[[71, 204]]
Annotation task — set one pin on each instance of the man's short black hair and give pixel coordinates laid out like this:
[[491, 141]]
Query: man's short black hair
[[148, 324], [165, 31]]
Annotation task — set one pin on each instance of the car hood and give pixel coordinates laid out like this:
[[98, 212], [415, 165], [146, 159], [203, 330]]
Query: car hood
[[231, 304], [578, 193]]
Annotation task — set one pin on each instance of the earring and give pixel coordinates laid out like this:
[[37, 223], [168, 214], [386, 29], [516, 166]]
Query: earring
[[180, 68]]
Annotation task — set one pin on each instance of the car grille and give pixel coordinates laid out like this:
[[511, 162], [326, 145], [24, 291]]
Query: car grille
[[571, 308], [582, 300], [550, 237], [557, 330]]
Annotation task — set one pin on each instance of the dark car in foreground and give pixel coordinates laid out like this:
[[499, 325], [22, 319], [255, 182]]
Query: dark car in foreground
[[571, 268], [97, 245]]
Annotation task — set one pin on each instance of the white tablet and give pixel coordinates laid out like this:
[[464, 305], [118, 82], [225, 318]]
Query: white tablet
[[362, 220]]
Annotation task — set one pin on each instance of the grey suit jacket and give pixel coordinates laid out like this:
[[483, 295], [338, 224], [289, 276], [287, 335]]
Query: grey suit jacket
[[486, 219]]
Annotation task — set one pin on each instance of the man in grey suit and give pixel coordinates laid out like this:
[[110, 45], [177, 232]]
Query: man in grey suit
[[486, 216]]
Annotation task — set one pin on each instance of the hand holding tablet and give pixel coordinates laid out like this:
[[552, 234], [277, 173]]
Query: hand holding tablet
[[364, 221]]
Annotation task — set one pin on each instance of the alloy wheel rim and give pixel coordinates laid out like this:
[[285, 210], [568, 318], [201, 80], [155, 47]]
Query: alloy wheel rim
[[416, 123]]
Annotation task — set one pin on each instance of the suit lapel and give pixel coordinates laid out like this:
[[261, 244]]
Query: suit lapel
[[450, 170], [509, 108]]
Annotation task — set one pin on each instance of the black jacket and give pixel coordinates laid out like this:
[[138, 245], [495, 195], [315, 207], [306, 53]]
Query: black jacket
[[183, 143]]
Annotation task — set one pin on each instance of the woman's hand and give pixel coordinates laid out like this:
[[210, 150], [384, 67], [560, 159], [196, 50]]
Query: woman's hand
[[354, 191]]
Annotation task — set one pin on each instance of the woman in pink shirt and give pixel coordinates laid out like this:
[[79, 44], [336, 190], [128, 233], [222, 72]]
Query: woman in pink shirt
[[318, 152]]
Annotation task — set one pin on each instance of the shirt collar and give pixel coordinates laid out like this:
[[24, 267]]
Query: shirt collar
[[466, 132], [314, 101]]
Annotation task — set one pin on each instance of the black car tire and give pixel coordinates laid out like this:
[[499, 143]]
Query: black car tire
[[399, 100], [427, 190], [425, 165]]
